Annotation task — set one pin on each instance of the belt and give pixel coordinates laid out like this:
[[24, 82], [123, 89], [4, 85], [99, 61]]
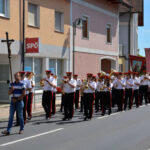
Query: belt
[[47, 91]]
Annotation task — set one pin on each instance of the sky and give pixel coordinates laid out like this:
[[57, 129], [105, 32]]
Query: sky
[[144, 32]]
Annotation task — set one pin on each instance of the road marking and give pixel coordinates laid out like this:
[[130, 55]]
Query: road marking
[[31, 137], [109, 115], [119, 113]]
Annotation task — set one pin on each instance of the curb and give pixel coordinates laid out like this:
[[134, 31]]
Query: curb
[[34, 114]]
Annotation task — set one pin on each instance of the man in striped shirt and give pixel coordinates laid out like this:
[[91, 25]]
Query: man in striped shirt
[[17, 89]]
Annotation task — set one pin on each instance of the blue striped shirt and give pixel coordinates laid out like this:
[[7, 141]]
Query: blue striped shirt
[[18, 88]]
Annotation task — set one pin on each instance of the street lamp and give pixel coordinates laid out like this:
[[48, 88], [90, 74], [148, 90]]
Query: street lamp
[[76, 23]]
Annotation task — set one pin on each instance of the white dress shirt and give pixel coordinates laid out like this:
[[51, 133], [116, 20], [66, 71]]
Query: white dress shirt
[[79, 83], [99, 86], [68, 89], [136, 81], [142, 81], [27, 84], [130, 81], [47, 86], [89, 90], [55, 83], [119, 85]]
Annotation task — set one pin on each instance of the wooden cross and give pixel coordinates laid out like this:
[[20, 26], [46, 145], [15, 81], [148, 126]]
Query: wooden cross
[[9, 42]]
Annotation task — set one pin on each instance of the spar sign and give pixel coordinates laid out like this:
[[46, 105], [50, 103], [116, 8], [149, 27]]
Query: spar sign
[[32, 45]]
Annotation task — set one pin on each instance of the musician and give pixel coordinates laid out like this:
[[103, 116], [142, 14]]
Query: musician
[[54, 94], [77, 93], [64, 79], [28, 87], [89, 96], [136, 88], [128, 91], [144, 79], [29, 76], [69, 87], [18, 90], [99, 92], [47, 96], [106, 97], [119, 84], [113, 80], [82, 97]]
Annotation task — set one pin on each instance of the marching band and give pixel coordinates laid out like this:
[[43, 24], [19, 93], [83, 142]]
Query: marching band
[[105, 91]]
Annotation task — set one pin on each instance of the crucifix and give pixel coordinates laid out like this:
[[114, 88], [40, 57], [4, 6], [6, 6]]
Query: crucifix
[[9, 42]]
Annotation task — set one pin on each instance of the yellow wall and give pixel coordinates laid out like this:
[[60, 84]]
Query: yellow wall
[[122, 61], [46, 32], [12, 24]]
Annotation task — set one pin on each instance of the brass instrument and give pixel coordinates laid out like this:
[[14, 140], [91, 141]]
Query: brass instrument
[[112, 72], [85, 84], [65, 80], [42, 83]]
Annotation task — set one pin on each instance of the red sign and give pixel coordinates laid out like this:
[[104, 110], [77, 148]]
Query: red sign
[[32, 45]]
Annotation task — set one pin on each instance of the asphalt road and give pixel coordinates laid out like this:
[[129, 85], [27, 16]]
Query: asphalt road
[[128, 130]]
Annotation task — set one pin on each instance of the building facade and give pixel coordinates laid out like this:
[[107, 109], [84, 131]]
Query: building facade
[[49, 21], [96, 41], [131, 17]]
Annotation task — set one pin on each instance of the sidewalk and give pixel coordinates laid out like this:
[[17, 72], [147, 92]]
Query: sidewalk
[[36, 109]]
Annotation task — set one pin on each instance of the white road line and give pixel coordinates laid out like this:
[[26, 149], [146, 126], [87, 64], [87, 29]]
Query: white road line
[[109, 115], [119, 113], [31, 137]]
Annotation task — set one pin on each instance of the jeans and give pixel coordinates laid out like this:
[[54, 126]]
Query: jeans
[[18, 106]]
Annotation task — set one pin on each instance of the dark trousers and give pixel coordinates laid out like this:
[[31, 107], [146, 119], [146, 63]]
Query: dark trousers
[[98, 98], [54, 103], [143, 93], [114, 100], [69, 105], [47, 103], [29, 104], [119, 98], [128, 98], [25, 100], [106, 102], [62, 102], [77, 97], [88, 104], [136, 98], [82, 103]]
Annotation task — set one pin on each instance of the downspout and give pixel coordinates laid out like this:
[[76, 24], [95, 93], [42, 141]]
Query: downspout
[[129, 38]]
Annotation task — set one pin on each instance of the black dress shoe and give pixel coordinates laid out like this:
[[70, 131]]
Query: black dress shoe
[[85, 118], [64, 119]]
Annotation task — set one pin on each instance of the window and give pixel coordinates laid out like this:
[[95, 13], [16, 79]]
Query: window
[[108, 33], [85, 28], [59, 21], [34, 65], [56, 66], [120, 67], [4, 8], [33, 15]]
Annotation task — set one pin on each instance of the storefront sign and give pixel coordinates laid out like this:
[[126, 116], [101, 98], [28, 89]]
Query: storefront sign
[[32, 45], [27, 69]]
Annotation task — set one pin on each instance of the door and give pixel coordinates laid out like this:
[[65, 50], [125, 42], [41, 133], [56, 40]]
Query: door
[[106, 65], [4, 79]]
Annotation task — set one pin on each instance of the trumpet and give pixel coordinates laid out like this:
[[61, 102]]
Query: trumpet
[[42, 83], [85, 84], [65, 80]]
